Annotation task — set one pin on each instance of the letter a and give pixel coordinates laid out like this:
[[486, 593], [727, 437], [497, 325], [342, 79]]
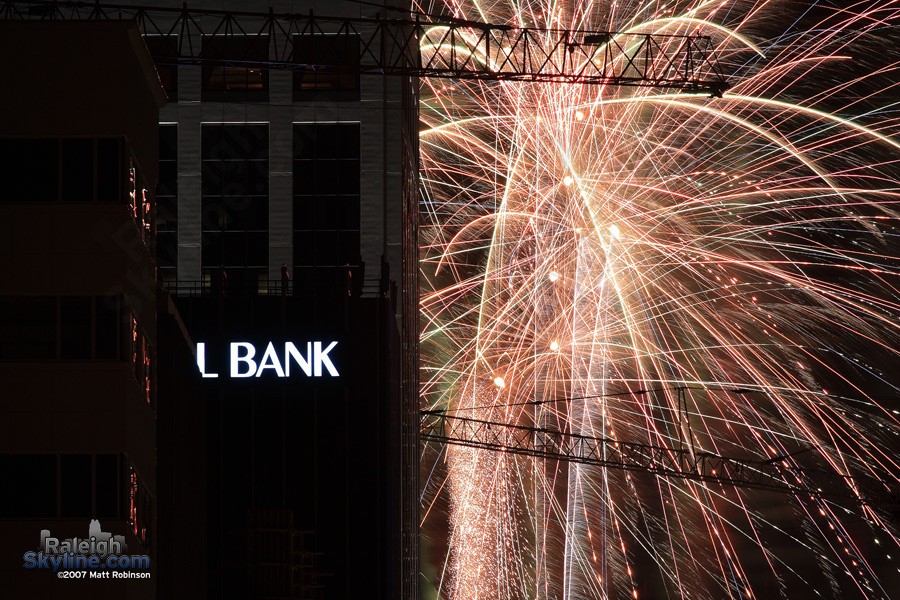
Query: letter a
[[270, 361]]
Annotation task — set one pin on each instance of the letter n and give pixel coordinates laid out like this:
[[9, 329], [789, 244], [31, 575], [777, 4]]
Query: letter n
[[305, 362]]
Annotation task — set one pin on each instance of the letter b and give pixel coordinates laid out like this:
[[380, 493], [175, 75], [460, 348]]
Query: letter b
[[247, 359]]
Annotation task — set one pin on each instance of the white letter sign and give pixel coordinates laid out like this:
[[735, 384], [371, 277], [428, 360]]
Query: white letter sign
[[242, 365]]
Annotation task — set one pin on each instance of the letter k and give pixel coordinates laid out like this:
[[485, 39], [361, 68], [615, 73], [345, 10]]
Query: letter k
[[321, 358]]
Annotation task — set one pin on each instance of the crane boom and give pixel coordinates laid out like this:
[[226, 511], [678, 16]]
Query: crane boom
[[777, 474], [421, 46]]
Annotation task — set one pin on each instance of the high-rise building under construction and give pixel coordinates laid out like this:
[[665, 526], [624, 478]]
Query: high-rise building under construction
[[284, 233]]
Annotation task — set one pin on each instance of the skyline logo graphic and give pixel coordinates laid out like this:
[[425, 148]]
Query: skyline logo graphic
[[101, 555], [100, 543]]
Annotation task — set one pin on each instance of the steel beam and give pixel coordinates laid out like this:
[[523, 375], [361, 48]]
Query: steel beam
[[778, 475], [416, 45]]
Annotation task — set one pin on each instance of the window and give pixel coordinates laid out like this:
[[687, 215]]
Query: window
[[109, 170], [76, 481], [140, 201], [146, 378], [28, 327], [29, 170], [233, 71], [139, 507], [66, 485], [29, 485], [106, 326], [68, 327], [167, 204], [328, 67], [235, 191], [75, 327], [68, 169], [326, 206], [140, 355], [107, 485], [77, 170], [163, 49]]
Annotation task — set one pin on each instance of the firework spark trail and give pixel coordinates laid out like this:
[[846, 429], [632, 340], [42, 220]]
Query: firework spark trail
[[582, 242]]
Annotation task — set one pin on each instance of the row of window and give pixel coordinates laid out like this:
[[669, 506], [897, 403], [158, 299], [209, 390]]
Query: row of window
[[68, 170], [68, 485], [326, 203], [235, 206], [141, 358], [74, 328], [245, 80], [79, 486], [167, 203], [235, 201], [54, 327], [139, 507], [75, 170]]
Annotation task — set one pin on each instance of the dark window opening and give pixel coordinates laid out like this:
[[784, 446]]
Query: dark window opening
[[78, 170], [29, 170], [108, 485], [234, 142], [67, 169], [167, 249], [235, 207], [29, 485], [70, 327], [328, 67], [233, 68], [75, 327], [28, 327], [66, 485], [168, 141], [109, 170], [76, 484], [167, 204], [234, 78], [167, 188], [326, 207], [106, 313]]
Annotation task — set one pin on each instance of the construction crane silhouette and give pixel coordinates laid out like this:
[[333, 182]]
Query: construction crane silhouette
[[780, 474], [456, 48]]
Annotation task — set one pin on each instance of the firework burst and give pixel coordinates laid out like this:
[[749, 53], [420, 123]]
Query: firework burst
[[708, 276]]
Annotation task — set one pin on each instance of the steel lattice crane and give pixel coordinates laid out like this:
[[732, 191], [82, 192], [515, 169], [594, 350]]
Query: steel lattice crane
[[457, 48], [778, 474]]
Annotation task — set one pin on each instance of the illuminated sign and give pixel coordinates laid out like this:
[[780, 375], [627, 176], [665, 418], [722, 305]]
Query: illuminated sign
[[243, 363]]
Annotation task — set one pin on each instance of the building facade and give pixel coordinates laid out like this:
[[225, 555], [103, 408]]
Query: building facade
[[285, 213], [77, 299], [287, 205]]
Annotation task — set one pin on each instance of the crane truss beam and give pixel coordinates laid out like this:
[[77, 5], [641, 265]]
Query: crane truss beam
[[777, 474], [421, 46]]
